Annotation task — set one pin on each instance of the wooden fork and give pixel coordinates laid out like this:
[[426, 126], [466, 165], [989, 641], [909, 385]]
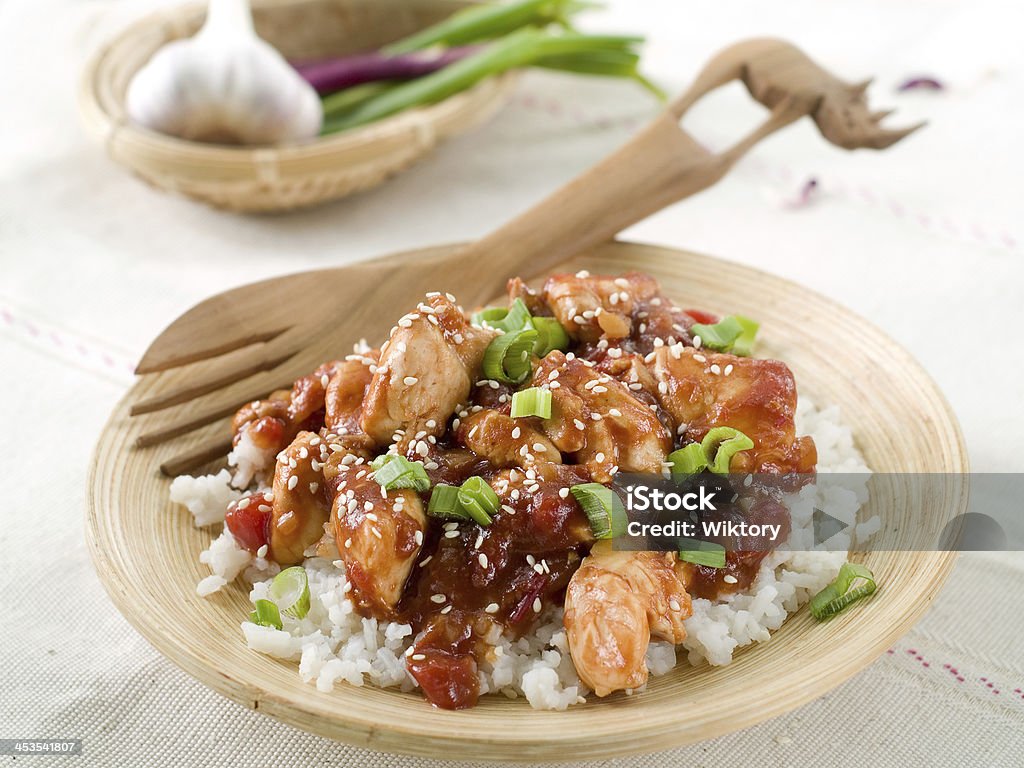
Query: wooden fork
[[244, 343]]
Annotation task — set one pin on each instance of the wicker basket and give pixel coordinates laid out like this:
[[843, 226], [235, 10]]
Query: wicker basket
[[289, 176]]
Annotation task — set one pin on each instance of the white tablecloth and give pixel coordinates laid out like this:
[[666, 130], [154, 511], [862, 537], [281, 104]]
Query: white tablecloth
[[924, 239]]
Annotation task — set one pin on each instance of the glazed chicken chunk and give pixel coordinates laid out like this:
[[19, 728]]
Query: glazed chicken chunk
[[504, 441], [426, 369], [593, 307], [378, 534], [703, 390], [595, 417], [300, 505], [616, 602], [343, 398]]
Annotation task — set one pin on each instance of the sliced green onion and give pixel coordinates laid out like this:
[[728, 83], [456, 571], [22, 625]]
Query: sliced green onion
[[392, 471], [515, 318], [853, 582], [744, 344], [719, 336], [603, 509], [721, 444], [531, 402], [444, 503], [550, 336], [290, 591], [701, 552], [688, 460], [266, 615], [507, 358], [478, 500]]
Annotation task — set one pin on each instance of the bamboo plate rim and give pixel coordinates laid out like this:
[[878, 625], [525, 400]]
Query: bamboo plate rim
[[131, 542]]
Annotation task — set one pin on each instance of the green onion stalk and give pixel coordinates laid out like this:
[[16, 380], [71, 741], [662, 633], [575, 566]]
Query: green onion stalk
[[594, 54]]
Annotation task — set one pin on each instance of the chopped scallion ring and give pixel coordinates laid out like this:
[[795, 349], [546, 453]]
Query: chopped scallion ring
[[532, 402], [478, 500], [721, 444], [392, 471], [444, 503], [701, 552], [603, 509], [266, 615], [688, 460], [289, 591], [515, 318], [730, 334], [507, 358], [854, 582], [550, 336], [744, 344]]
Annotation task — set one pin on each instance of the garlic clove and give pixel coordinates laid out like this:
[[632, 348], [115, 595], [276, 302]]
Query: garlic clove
[[224, 85]]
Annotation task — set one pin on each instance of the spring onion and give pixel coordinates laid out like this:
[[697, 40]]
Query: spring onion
[[266, 615], [721, 444], [688, 460], [444, 503], [853, 582], [550, 336], [487, 21], [507, 358], [522, 48], [701, 552], [478, 500], [289, 591], [730, 334], [603, 509], [532, 402], [515, 318], [392, 471]]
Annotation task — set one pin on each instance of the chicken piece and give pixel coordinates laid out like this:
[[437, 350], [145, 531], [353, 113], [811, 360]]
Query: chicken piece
[[506, 442], [597, 418], [379, 535], [263, 428], [426, 369], [591, 307], [301, 505], [703, 390], [343, 399], [614, 604]]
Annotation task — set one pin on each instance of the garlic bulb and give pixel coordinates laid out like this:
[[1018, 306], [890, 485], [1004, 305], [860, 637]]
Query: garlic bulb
[[224, 85]]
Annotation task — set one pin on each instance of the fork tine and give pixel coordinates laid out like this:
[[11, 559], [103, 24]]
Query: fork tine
[[160, 357], [210, 450], [261, 386], [255, 360]]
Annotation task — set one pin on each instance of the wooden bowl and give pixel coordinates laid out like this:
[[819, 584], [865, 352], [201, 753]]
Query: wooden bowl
[[288, 176], [145, 550]]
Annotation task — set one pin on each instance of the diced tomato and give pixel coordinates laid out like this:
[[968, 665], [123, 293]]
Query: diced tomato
[[268, 433], [448, 681], [248, 519], [702, 317]]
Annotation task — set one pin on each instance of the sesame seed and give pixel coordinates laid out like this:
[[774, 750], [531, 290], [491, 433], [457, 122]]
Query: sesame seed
[[451, 534], [492, 608], [728, 369], [482, 559], [538, 568], [537, 605], [539, 447], [410, 380], [426, 560], [729, 579], [438, 598], [447, 609], [262, 551], [696, 342], [663, 387], [418, 537], [674, 605], [314, 487], [563, 492], [292, 482], [368, 506], [516, 433], [418, 657], [579, 424], [700, 358], [599, 458]]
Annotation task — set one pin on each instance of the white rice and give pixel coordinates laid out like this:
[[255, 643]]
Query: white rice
[[333, 643]]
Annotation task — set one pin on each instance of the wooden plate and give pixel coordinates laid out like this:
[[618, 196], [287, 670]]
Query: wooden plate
[[145, 550]]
